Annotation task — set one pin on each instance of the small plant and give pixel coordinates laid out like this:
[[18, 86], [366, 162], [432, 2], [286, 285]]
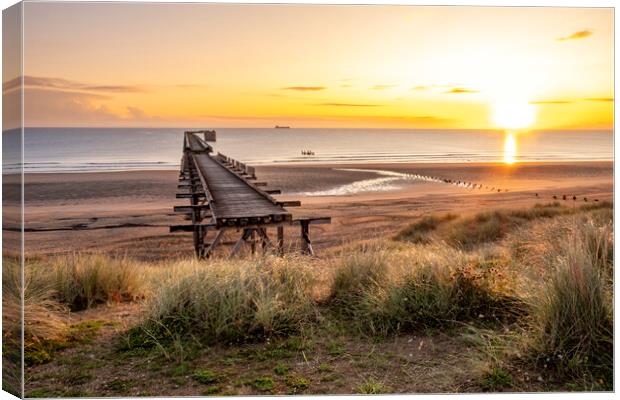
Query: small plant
[[120, 385], [205, 376], [281, 369], [496, 380], [264, 384], [371, 386], [325, 368], [297, 383], [335, 349], [211, 390], [76, 377], [180, 369]]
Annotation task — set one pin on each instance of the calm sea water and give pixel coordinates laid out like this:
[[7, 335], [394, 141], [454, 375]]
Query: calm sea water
[[106, 149]]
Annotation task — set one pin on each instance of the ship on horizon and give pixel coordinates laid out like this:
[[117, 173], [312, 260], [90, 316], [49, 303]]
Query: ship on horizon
[[282, 127]]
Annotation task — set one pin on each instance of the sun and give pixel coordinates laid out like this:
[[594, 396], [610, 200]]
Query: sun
[[513, 114]]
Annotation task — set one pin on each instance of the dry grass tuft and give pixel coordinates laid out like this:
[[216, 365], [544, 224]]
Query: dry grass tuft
[[85, 280], [573, 312], [229, 301], [419, 232], [385, 292]]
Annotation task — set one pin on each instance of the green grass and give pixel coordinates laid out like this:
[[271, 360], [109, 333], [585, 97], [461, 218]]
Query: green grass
[[281, 369], [496, 380], [297, 383], [120, 385], [206, 376], [263, 384], [371, 386]]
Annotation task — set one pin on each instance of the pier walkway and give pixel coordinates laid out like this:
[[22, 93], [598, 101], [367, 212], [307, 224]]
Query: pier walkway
[[225, 195]]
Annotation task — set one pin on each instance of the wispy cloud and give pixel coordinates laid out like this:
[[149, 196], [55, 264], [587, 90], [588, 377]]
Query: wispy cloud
[[577, 35], [458, 90], [552, 102], [66, 84], [382, 87], [421, 87], [347, 105], [599, 99], [572, 101], [305, 88]]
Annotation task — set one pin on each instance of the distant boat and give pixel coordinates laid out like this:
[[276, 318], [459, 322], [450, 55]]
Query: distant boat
[[282, 127]]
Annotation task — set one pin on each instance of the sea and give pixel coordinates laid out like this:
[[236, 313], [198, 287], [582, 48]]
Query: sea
[[50, 150]]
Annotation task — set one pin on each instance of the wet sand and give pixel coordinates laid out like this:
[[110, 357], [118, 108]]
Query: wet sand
[[129, 212]]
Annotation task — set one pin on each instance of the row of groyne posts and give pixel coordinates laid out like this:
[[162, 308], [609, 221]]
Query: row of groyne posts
[[226, 196]]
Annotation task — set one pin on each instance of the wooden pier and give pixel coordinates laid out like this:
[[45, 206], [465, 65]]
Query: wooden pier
[[225, 195]]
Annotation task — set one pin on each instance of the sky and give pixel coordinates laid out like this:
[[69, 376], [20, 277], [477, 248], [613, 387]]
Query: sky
[[208, 65]]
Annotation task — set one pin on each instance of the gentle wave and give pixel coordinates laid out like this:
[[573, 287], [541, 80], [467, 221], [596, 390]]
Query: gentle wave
[[389, 181]]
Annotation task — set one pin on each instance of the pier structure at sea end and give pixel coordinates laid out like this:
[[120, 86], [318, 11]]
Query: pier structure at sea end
[[225, 196]]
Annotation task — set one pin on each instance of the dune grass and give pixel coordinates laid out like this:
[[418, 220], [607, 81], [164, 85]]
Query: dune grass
[[419, 231], [385, 291], [469, 232], [573, 312], [229, 301], [45, 322], [83, 281], [550, 276]]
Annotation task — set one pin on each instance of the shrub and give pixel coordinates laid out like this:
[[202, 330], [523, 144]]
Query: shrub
[[229, 301], [573, 320]]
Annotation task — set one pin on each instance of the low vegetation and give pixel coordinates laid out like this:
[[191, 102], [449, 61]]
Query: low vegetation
[[533, 288], [229, 302]]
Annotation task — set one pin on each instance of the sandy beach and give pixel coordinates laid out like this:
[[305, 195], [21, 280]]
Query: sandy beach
[[129, 212]]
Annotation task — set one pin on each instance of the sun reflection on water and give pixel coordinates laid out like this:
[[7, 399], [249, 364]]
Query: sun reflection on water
[[510, 147]]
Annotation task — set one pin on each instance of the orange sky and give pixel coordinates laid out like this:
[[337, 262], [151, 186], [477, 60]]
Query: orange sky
[[315, 66]]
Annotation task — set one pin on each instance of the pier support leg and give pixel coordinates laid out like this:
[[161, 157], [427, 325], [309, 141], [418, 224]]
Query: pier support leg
[[216, 240], [280, 240], [262, 232], [253, 240], [243, 238], [305, 238]]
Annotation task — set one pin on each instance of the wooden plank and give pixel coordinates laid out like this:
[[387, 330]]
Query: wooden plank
[[291, 203], [189, 195], [189, 228], [314, 220], [191, 208]]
